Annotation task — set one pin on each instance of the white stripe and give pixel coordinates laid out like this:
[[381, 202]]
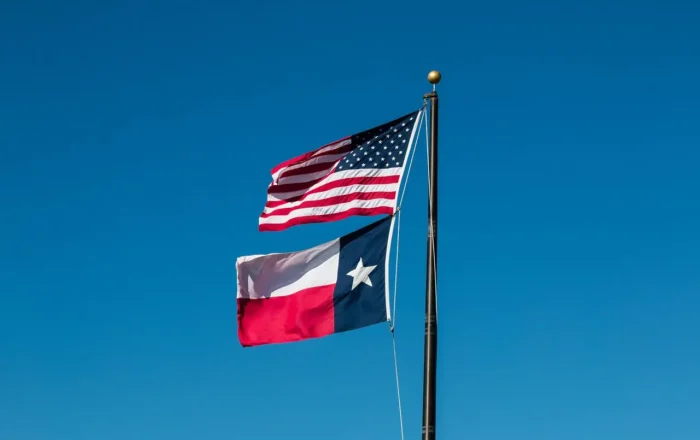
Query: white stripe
[[325, 210], [386, 268], [333, 146], [338, 175], [314, 156], [334, 192], [282, 274]]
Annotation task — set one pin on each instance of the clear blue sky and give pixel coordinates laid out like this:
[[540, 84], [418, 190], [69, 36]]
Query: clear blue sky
[[136, 140]]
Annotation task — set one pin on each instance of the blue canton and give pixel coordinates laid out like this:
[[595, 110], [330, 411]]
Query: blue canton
[[380, 147]]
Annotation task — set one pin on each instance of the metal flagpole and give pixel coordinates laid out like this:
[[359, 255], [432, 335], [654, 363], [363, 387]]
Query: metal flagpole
[[430, 347]]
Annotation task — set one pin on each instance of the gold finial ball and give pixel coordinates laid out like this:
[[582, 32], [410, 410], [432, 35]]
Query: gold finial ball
[[434, 77]]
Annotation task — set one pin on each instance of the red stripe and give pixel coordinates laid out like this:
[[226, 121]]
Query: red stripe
[[309, 169], [290, 187], [319, 166], [306, 314], [325, 218], [330, 201], [381, 180], [304, 156]]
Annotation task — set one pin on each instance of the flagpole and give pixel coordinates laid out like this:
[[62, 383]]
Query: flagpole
[[430, 347]]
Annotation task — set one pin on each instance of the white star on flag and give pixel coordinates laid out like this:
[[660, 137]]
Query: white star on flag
[[360, 274]]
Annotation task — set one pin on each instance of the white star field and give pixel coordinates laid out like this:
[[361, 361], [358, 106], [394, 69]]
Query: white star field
[[384, 150]]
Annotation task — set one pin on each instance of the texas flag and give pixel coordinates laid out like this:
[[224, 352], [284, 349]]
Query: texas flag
[[338, 286]]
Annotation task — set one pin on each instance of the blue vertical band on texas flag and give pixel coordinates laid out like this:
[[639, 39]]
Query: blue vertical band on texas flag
[[359, 298], [334, 287]]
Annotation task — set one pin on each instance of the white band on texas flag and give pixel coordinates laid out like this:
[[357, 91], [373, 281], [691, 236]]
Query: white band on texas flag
[[334, 287]]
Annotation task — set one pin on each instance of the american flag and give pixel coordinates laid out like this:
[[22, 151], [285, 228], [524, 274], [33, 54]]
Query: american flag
[[356, 175]]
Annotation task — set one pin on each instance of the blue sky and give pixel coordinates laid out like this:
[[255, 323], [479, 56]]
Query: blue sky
[[136, 140]]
